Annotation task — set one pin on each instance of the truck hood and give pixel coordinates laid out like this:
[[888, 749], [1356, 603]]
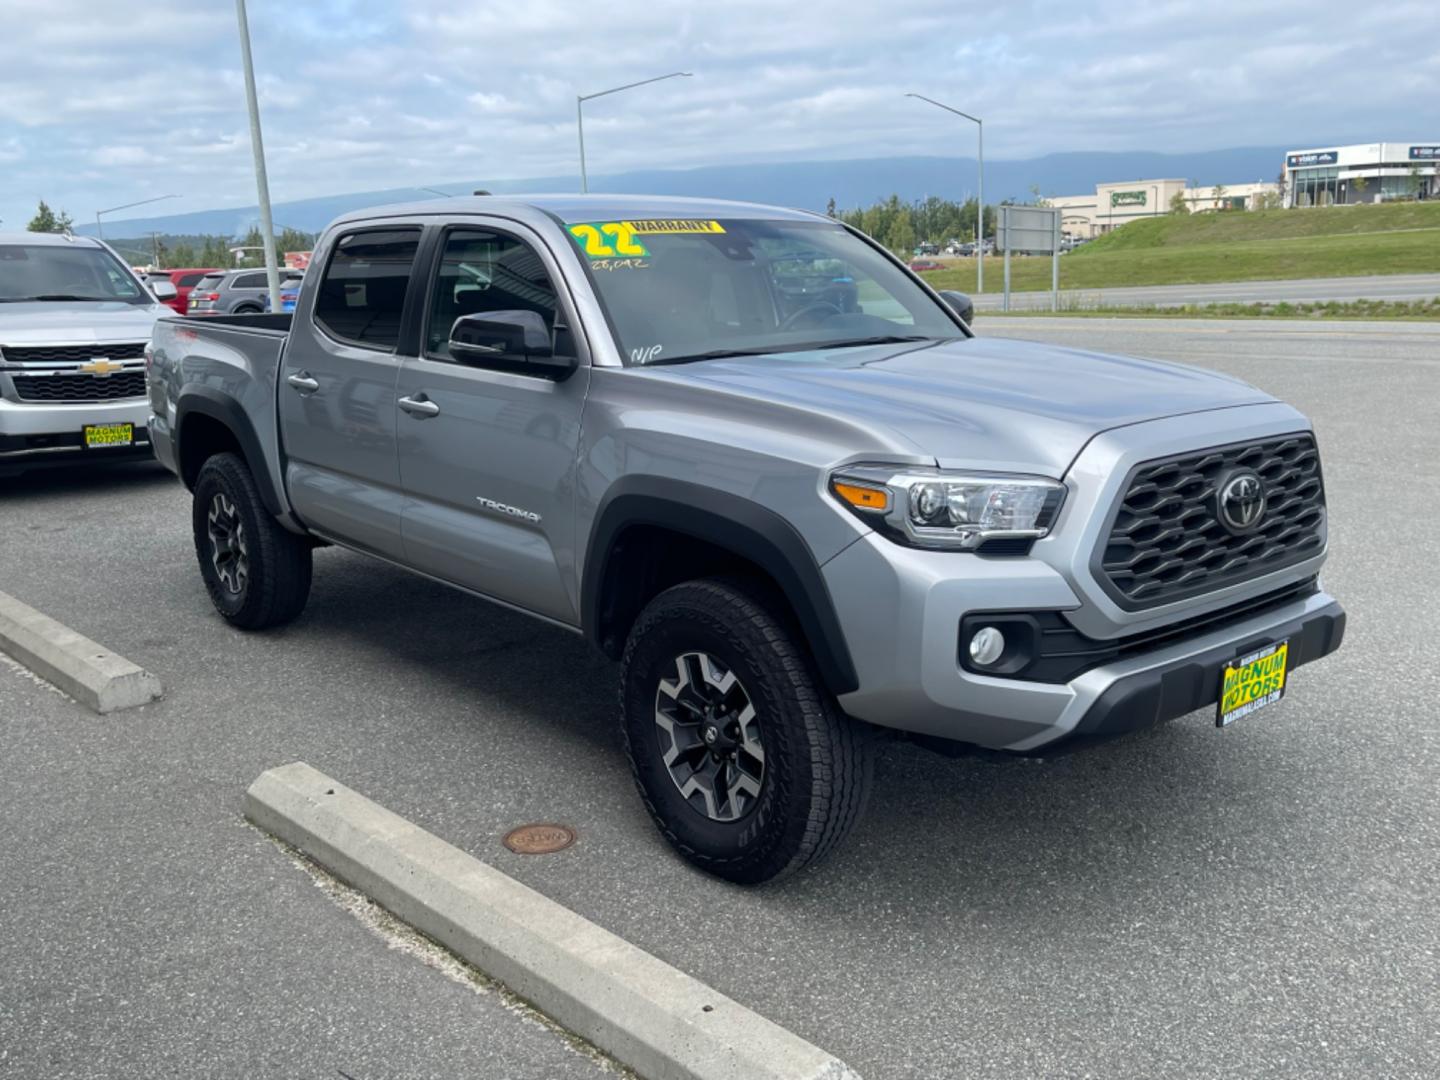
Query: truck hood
[[58, 322], [1019, 406]]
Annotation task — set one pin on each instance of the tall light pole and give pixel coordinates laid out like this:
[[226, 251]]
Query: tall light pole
[[257, 145], [100, 229], [980, 124], [580, 100]]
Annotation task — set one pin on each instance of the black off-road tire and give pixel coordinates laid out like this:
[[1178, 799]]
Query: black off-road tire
[[276, 582], [817, 760]]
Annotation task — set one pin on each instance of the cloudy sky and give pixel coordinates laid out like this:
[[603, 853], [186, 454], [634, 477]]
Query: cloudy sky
[[105, 102]]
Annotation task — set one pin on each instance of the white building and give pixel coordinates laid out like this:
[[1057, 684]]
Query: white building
[[1115, 204], [1364, 173]]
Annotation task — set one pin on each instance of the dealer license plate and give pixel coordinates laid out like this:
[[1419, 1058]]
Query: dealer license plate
[[1252, 683], [99, 436]]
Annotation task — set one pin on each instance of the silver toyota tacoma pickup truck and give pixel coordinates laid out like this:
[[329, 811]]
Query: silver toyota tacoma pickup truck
[[748, 454], [74, 322]]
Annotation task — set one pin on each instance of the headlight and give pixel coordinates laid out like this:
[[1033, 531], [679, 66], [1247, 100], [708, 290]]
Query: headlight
[[933, 508]]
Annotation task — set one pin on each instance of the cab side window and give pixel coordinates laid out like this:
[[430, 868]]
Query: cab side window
[[362, 292], [482, 272]]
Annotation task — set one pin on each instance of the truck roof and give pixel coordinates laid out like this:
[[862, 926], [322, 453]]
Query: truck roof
[[576, 208], [50, 239]]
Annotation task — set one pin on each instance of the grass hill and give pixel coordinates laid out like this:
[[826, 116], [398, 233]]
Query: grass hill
[[1255, 245]]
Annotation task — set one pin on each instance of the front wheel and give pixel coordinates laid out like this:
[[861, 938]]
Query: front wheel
[[745, 762], [256, 572]]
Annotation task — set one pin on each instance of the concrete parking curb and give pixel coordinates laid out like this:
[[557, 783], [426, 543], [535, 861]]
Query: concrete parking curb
[[645, 1013], [85, 670]]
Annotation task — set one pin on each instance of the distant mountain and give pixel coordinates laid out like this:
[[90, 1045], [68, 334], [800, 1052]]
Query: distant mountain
[[808, 184]]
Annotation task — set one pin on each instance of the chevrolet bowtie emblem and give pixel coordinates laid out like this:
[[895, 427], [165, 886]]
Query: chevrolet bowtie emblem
[[100, 365]]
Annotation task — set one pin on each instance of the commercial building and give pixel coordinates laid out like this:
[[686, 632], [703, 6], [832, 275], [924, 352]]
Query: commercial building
[[1115, 204], [1363, 173]]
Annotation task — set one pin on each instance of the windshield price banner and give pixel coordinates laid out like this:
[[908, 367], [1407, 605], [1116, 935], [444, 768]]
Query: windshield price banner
[[620, 239]]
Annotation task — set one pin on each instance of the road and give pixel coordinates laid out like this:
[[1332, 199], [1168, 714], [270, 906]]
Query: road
[[1256, 902], [1379, 287]]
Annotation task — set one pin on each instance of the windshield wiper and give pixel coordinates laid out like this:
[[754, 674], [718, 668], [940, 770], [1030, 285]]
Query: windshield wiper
[[808, 346], [57, 296]]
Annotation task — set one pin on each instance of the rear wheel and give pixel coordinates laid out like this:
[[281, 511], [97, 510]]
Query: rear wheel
[[257, 572], [746, 764]]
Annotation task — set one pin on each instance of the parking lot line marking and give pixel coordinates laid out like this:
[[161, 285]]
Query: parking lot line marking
[[650, 1016], [85, 670]]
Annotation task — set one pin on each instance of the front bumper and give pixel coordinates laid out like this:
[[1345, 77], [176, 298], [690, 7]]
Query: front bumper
[[47, 433], [901, 610]]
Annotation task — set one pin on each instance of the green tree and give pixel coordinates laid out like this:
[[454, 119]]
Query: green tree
[[901, 237], [1360, 185], [294, 240], [1039, 199], [1178, 205], [830, 207], [1217, 195], [46, 220], [1414, 181], [182, 254]]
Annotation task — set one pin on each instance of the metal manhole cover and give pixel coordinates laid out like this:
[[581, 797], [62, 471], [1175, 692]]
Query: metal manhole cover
[[539, 839]]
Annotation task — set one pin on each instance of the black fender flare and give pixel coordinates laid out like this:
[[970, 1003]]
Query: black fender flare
[[747, 529], [207, 401]]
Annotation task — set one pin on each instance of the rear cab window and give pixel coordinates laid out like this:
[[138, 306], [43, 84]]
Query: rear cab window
[[361, 295]]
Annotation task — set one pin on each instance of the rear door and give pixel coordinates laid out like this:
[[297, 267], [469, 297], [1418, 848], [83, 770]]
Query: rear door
[[488, 460], [337, 388], [247, 291]]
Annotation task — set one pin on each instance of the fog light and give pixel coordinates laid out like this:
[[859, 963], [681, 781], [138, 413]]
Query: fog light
[[986, 646]]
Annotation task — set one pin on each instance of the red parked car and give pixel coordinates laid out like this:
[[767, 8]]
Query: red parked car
[[920, 266], [184, 281]]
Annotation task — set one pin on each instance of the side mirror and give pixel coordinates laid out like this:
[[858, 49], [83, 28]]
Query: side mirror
[[961, 304], [163, 290], [509, 341]]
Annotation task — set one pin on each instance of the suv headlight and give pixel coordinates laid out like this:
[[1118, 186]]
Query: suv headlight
[[936, 508]]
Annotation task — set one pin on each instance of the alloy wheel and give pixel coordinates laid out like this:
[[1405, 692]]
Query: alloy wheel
[[710, 737], [228, 547]]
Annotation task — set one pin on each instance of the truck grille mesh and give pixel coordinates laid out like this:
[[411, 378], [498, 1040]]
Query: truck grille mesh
[[124, 384], [71, 354], [1167, 542]]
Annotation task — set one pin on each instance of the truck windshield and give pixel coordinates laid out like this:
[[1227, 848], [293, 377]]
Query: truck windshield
[[42, 272], [676, 291]]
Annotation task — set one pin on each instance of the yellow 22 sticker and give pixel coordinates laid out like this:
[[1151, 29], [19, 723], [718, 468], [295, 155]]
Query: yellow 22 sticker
[[608, 240], [616, 239]]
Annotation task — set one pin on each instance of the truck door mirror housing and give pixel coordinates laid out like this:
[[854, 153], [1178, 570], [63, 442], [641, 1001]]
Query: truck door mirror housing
[[961, 304], [516, 341]]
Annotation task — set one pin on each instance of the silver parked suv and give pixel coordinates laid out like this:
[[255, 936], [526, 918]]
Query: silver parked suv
[[748, 454], [233, 292], [74, 323]]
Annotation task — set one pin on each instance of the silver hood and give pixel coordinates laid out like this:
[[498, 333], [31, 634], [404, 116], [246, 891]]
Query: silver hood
[[60, 322], [983, 402]]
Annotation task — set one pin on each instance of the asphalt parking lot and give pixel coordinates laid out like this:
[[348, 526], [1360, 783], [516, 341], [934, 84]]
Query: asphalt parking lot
[[1188, 902]]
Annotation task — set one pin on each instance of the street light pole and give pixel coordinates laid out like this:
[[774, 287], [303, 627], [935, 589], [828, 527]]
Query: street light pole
[[580, 100], [980, 126], [257, 145], [100, 229]]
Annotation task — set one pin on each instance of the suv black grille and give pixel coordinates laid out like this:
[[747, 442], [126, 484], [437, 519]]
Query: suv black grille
[[1167, 543], [123, 384], [71, 354]]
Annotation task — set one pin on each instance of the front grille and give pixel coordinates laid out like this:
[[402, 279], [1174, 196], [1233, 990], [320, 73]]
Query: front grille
[[71, 354], [124, 384], [1167, 543]]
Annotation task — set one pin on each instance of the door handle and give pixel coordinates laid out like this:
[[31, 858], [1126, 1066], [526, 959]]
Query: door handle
[[302, 381], [419, 407]]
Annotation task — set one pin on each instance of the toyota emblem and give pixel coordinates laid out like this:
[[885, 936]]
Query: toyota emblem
[[1241, 502]]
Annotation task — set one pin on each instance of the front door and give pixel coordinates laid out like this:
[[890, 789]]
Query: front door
[[487, 457], [337, 390]]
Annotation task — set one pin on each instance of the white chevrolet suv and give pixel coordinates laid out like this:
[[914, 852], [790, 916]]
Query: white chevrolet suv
[[74, 322]]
